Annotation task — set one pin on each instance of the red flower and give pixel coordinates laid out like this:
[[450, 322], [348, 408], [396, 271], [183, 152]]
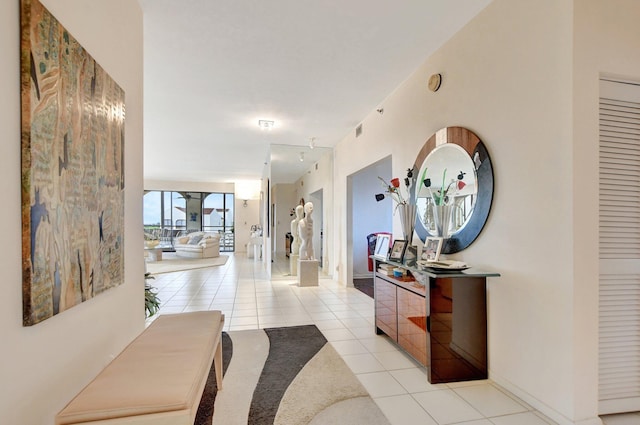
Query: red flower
[[395, 182]]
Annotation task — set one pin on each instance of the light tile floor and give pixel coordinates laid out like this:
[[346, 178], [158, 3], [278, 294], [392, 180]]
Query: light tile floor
[[249, 299]]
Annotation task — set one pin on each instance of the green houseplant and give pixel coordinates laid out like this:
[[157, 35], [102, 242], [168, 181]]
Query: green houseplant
[[151, 300]]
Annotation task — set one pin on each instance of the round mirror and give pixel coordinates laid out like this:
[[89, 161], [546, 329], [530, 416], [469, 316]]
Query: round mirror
[[454, 188]]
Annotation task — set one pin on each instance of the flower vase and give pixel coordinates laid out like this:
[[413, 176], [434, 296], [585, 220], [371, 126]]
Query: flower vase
[[442, 219], [407, 220]]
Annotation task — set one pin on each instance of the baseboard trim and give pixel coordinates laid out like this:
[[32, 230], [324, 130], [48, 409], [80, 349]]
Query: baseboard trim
[[539, 405], [363, 276]]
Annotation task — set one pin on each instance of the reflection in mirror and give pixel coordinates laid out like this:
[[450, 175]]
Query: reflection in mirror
[[293, 181], [451, 178], [466, 187]]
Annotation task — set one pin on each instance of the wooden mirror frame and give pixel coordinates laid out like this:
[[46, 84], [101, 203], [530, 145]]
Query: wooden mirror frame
[[484, 173]]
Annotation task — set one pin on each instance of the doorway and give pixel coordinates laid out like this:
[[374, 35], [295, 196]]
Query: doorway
[[365, 216]]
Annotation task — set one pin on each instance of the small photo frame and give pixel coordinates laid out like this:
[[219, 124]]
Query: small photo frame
[[397, 250], [431, 249], [382, 246], [410, 256]]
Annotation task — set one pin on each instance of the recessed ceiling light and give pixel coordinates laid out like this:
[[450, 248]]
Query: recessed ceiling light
[[266, 124], [312, 143], [301, 156]]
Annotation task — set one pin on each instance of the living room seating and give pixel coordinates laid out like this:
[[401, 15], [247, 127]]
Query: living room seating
[[198, 245]]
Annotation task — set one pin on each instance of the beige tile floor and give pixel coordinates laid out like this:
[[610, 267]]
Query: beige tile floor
[[243, 290]]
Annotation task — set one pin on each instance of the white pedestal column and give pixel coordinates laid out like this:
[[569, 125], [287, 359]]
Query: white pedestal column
[[307, 272]]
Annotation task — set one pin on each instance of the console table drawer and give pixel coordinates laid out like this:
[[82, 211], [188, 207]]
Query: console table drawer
[[386, 308], [412, 325]]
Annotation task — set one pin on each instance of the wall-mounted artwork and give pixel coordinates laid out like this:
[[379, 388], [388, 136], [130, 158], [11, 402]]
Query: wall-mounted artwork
[[72, 170]]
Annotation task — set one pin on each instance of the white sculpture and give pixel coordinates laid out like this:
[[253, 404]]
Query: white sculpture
[[305, 231], [295, 244]]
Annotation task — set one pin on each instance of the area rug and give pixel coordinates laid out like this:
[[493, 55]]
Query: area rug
[[172, 263], [285, 376], [364, 285]]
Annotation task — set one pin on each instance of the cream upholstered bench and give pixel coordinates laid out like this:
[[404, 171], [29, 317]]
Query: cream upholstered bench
[[158, 378]]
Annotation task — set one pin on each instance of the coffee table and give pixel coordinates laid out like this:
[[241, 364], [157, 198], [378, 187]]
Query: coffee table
[[154, 254]]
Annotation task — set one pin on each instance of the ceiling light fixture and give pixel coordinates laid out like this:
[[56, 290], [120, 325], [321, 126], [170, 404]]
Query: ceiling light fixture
[[301, 156], [247, 190], [265, 124], [312, 143]]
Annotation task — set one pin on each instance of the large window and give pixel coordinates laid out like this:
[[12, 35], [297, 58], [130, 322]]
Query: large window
[[167, 214], [218, 215]]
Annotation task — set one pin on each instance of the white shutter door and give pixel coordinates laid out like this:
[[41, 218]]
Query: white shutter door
[[619, 329]]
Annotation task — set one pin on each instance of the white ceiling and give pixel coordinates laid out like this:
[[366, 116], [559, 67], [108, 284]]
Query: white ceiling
[[213, 68]]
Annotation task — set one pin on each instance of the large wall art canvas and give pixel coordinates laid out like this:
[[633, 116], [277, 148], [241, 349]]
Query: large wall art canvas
[[72, 170]]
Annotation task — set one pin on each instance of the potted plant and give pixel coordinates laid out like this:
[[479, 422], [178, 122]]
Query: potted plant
[[151, 300]]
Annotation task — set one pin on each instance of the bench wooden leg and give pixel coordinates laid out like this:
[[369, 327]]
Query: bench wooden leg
[[217, 363]]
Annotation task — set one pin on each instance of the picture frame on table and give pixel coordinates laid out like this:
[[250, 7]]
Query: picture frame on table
[[382, 246], [432, 248], [397, 250], [410, 256]]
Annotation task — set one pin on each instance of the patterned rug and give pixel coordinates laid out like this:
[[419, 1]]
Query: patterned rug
[[285, 376]]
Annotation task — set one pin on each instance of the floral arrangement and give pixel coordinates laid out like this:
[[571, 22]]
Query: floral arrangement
[[151, 240], [150, 236], [444, 195], [394, 190]]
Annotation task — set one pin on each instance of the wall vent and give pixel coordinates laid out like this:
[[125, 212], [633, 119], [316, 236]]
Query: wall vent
[[358, 130]]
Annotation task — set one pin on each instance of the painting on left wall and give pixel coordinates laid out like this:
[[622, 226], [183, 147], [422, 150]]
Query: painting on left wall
[[72, 170]]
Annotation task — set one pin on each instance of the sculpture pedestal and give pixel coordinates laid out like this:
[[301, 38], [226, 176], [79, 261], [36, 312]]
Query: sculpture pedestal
[[307, 272], [293, 264]]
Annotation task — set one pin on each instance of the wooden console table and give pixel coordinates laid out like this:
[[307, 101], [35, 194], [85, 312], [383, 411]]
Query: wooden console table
[[440, 319]]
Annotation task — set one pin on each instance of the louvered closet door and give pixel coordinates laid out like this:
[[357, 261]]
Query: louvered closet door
[[619, 353]]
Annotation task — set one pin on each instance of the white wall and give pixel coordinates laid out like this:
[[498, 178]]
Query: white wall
[[607, 41], [245, 218], [180, 186], [45, 365], [507, 76]]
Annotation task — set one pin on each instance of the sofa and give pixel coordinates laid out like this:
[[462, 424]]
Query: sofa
[[198, 245]]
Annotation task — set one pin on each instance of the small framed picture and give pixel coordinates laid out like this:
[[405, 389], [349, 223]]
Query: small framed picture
[[397, 250], [382, 246], [410, 256], [432, 248]]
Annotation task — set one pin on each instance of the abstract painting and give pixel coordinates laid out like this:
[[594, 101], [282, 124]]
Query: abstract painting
[[72, 170]]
